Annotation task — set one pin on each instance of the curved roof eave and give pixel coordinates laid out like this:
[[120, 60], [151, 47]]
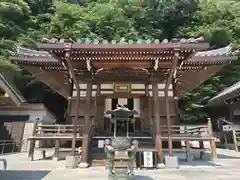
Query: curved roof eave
[[13, 93], [228, 93]]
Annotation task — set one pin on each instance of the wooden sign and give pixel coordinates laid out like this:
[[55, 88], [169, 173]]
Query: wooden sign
[[122, 88], [148, 159]]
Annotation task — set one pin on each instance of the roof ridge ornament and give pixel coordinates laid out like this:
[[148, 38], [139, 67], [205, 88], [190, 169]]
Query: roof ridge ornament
[[156, 41], [96, 41], [122, 41], [165, 41], [88, 41], [113, 41]]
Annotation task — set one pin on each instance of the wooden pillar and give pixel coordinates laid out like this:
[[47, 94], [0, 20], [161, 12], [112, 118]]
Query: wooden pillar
[[212, 142], [75, 120], [76, 83], [68, 111], [96, 107], [146, 117], [158, 138], [87, 123], [235, 144], [168, 124], [201, 146], [188, 151], [56, 149], [175, 102], [171, 76], [149, 102], [32, 142]]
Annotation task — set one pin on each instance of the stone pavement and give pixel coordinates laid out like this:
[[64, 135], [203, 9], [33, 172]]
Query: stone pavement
[[20, 168]]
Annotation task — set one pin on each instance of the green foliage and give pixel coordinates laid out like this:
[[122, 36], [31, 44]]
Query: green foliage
[[220, 21], [24, 22]]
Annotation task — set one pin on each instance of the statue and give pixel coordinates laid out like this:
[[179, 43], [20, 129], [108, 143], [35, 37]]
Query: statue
[[121, 149], [110, 156], [132, 153]]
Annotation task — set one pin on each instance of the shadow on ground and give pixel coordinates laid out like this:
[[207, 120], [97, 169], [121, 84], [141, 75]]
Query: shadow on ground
[[22, 175], [200, 163], [143, 178], [222, 156]]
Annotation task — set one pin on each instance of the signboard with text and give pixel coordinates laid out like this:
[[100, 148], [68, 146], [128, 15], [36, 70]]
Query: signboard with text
[[148, 159], [122, 88]]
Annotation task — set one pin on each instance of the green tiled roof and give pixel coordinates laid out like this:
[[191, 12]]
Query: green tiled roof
[[126, 41], [139, 41]]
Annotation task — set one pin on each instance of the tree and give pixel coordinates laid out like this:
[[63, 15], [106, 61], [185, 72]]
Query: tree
[[220, 21], [14, 17]]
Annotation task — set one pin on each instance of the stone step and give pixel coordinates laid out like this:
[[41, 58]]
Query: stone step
[[104, 163], [121, 166], [98, 156], [96, 163]]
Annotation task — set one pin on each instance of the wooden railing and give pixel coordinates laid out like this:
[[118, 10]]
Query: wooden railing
[[229, 136], [57, 130], [236, 139], [187, 134], [232, 139], [181, 130], [184, 130]]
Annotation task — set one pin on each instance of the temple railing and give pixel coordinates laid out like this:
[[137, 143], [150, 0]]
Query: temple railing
[[200, 130], [229, 136], [45, 131], [188, 135], [184, 130]]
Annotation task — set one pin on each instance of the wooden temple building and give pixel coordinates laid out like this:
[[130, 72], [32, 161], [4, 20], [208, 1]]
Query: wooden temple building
[[227, 104], [147, 76]]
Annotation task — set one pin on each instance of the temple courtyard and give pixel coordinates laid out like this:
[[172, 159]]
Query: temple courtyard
[[227, 167]]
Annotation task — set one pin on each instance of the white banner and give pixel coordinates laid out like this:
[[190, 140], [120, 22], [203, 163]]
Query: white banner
[[148, 159]]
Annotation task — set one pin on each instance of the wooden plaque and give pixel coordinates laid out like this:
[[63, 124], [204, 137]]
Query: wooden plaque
[[122, 88]]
